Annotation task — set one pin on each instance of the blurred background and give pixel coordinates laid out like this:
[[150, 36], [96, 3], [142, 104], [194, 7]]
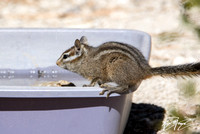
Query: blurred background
[[174, 26]]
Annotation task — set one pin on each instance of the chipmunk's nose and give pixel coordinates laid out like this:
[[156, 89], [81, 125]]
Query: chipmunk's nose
[[57, 63]]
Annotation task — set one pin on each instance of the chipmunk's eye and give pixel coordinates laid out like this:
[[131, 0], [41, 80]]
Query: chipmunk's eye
[[65, 56]]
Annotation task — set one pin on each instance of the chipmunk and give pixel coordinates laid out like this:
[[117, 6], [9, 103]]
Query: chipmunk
[[116, 62]]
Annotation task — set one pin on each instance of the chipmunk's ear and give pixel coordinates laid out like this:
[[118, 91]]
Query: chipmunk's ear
[[83, 40], [77, 44]]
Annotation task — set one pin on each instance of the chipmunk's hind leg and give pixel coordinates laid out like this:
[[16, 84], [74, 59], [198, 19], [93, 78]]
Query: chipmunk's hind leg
[[110, 90], [119, 89]]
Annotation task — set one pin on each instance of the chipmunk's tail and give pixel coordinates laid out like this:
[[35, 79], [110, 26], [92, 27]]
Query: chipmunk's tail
[[187, 70]]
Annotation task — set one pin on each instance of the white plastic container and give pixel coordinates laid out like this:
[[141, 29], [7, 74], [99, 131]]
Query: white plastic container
[[28, 57]]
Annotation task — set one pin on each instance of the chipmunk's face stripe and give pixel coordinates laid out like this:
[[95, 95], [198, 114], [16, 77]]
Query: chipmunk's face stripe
[[70, 49], [71, 55]]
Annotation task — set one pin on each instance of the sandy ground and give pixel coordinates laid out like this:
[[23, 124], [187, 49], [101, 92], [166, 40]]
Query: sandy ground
[[160, 18]]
